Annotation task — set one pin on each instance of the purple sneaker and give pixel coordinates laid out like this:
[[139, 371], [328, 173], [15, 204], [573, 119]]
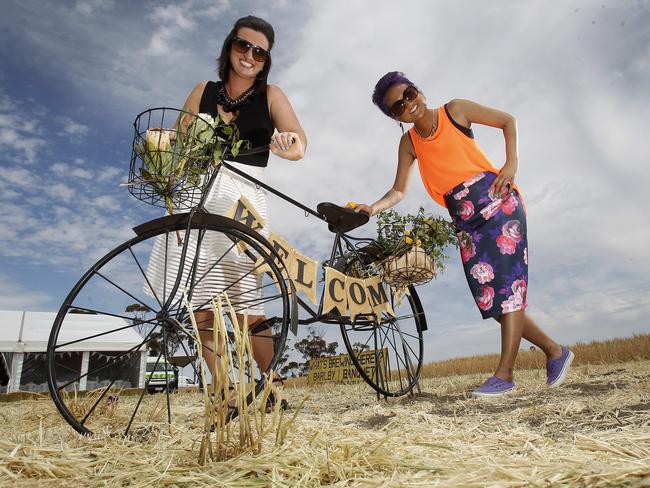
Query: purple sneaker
[[494, 387], [557, 369]]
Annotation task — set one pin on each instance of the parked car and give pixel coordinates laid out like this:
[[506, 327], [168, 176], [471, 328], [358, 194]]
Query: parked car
[[160, 375]]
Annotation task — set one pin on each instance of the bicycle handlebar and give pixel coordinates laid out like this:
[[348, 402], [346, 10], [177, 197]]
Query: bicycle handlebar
[[258, 149]]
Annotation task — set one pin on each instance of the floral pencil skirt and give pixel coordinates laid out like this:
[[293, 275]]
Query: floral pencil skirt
[[491, 233]]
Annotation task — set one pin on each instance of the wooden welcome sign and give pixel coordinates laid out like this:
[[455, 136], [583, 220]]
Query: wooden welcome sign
[[341, 369], [343, 294]]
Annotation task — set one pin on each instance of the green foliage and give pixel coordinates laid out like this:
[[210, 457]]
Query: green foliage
[[397, 233], [179, 158]]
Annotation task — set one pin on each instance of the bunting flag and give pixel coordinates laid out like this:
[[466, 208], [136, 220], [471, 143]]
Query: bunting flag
[[345, 294], [379, 301], [304, 273], [243, 211], [285, 251], [357, 297], [334, 296]]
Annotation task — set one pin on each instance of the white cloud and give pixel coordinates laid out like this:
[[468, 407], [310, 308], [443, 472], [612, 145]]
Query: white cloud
[[81, 173], [14, 296], [73, 129], [87, 8], [109, 173], [60, 191]]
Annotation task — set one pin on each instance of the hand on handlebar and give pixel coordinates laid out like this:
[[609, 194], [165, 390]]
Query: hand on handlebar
[[287, 145]]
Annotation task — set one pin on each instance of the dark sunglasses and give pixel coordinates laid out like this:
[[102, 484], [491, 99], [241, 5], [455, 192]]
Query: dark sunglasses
[[410, 94], [242, 46]]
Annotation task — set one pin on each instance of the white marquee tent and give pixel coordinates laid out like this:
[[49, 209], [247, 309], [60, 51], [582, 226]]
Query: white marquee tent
[[24, 337]]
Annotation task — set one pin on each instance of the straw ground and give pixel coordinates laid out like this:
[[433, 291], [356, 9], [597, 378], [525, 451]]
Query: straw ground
[[594, 431]]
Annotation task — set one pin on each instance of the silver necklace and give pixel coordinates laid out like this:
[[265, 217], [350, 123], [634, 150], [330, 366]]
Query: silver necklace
[[433, 128]]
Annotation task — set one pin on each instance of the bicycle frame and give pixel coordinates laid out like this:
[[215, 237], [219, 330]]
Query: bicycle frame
[[342, 246]]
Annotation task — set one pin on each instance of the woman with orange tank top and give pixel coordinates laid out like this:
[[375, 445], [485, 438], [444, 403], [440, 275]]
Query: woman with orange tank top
[[486, 207]]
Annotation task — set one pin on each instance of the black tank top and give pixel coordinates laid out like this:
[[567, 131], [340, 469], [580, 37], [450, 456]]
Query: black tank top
[[253, 121]]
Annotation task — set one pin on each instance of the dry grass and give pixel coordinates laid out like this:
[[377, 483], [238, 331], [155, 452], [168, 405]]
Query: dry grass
[[635, 348], [613, 351], [594, 431]]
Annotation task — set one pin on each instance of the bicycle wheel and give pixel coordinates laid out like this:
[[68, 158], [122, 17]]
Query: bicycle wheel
[[388, 353], [121, 318]]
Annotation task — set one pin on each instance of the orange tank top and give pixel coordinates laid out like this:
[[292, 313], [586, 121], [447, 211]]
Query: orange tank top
[[447, 157]]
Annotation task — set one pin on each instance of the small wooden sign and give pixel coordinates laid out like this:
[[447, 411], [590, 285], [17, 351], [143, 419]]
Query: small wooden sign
[[341, 369]]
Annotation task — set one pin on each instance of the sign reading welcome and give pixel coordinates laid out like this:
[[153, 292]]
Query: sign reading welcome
[[343, 294], [341, 369]]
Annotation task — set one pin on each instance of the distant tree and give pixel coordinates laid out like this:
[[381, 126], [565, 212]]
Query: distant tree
[[139, 313], [156, 338], [360, 347], [312, 347]]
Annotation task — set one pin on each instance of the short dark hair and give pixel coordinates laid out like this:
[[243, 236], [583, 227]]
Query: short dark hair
[[223, 62], [383, 85]]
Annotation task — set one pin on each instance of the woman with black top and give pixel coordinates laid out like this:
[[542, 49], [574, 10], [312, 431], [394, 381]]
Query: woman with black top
[[263, 116]]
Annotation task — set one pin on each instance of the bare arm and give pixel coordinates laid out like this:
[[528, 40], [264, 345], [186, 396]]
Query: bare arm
[[466, 112], [192, 103], [290, 142], [406, 157]]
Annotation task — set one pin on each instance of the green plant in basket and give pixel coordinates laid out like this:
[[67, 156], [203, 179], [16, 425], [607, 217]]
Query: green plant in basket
[[414, 241], [176, 159]]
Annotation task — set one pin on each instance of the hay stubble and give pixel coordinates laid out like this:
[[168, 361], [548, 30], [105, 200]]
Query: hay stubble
[[594, 431]]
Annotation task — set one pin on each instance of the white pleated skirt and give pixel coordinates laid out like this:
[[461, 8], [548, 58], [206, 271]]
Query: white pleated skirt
[[220, 265]]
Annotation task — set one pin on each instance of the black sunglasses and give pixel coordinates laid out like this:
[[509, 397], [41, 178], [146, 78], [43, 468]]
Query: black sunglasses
[[410, 94], [242, 46]]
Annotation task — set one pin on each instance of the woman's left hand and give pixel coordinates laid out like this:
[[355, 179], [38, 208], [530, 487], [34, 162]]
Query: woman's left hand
[[505, 180], [287, 145]]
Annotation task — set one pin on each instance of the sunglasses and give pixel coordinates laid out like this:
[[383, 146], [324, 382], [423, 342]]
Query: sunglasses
[[242, 46], [410, 94]]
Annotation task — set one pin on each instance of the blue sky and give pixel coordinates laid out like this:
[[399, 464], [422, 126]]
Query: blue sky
[[73, 75]]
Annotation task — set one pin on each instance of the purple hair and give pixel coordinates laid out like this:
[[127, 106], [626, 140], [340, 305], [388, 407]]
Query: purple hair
[[383, 85]]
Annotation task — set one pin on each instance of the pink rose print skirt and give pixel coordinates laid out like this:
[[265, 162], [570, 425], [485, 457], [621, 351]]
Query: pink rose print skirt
[[491, 234]]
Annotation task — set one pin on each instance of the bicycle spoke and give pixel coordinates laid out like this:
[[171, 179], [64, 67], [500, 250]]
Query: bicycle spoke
[[91, 311], [165, 267], [122, 290], [130, 351], [58, 346], [137, 406], [144, 275], [180, 341], [397, 356], [83, 420], [211, 268], [165, 351]]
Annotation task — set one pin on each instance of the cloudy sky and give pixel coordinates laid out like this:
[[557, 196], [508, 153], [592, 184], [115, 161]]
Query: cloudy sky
[[73, 75]]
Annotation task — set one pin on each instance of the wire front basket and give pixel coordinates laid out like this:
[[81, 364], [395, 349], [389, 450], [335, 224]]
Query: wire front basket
[[172, 157]]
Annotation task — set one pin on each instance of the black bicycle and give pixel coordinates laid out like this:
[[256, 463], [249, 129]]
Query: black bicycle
[[387, 350]]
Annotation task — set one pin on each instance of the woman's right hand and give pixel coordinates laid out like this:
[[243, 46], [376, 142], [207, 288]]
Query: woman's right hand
[[362, 207]]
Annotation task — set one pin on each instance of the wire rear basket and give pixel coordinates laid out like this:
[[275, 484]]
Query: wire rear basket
[[172, 157], [413, 267], [405, 244]]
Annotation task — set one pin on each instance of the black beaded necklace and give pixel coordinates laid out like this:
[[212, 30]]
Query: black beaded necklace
[[229, 104]]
